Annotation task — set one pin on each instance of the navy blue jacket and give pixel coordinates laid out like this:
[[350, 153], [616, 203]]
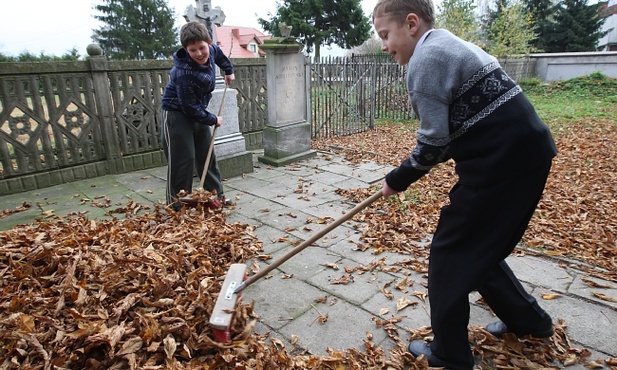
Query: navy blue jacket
[[190, 85]]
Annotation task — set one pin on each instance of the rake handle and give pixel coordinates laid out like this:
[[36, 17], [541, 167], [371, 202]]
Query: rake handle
[[310, 240], [211, 147]]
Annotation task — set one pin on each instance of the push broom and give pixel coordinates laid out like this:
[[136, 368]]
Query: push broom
[[236, 281], [193, 200]]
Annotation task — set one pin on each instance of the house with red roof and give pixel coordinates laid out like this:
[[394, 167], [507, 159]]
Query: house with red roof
[[240, 42]]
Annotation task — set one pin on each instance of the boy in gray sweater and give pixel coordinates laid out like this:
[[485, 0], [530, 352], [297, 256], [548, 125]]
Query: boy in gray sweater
[[472, 112]]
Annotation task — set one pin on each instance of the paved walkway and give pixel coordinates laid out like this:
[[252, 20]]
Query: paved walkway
[[285, 300]]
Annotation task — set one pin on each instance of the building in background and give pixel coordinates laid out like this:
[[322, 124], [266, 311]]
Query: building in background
[[241, 42], [609, 41]]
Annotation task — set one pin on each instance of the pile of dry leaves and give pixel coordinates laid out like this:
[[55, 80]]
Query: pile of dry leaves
[[137, 292]]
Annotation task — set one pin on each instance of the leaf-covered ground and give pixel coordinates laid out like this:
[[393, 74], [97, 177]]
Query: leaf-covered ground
[[574, 220], [135, 293]]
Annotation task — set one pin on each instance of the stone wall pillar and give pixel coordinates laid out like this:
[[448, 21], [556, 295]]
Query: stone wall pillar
[[287, 135]]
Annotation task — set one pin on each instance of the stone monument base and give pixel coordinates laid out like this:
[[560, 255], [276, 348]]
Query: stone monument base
[[229, 144], [287, 144], [235, 165]]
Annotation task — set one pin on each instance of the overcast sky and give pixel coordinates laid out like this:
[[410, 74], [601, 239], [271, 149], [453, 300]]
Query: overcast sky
[[56, 27]]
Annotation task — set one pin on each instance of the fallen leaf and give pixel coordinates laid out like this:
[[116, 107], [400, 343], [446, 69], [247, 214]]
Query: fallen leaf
[[323, 299], [331, 265], [604, 297], [345, 279], [401, 303], [550, 296]]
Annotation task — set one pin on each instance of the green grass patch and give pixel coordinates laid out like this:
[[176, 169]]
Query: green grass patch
[[562, 102]]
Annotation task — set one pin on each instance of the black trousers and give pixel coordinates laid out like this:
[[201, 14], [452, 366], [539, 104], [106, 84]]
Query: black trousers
[[476, 232], [186, 144]]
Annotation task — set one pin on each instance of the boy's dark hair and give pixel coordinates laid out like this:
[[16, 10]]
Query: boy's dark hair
[[397, 10], [193, 32]]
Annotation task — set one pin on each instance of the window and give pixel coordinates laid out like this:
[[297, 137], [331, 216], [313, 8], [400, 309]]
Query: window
[[252, 47]]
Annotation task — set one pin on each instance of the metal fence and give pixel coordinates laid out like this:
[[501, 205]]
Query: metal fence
[[348, 94]]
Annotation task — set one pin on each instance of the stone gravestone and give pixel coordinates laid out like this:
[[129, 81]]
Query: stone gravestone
[[229, 145], [287, 135]]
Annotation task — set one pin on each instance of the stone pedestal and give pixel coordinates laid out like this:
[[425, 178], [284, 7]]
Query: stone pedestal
[[287, 135], [229, 145]]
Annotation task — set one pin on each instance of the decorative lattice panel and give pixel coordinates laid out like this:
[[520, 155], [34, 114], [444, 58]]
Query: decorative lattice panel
[[47, 122], [137, 100]]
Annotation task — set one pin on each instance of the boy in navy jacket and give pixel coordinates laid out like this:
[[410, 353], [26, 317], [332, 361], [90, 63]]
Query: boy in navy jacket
[[186, 133]]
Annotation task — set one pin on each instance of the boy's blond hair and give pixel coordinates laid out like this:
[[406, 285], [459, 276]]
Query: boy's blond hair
[[193, 32], [397, 10]]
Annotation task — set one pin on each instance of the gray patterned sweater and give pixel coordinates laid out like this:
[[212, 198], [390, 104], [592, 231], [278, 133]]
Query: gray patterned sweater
[[470, 111]]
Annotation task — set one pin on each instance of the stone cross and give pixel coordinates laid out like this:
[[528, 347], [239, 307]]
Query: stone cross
[[204, 13]]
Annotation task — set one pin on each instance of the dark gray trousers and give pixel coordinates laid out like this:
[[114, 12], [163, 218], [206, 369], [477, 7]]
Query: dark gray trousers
[[186, 144], [476, 232]]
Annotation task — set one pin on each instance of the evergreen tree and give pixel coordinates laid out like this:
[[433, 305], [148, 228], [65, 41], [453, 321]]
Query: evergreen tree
[[136, 29], [26, 56], [576, 26], [321, 22], [459, 17], [70, 55], [541, 12]]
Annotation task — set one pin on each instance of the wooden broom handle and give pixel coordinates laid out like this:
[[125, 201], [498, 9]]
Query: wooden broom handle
[[310, 241], [211, 147]]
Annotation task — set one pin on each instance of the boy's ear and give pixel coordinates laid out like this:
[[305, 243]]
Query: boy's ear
[[412, 22]]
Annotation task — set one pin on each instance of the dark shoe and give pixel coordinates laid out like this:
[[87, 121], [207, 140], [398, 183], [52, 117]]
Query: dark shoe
[[498, 329], [420, 347]]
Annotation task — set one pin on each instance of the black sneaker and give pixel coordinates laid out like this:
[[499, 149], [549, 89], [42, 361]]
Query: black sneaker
[[420, 347], [498, 329]]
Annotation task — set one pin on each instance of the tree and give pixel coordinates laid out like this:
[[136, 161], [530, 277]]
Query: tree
[[26, 56], [321, 22], [459, 17], [576, 26], [372, 46], [136, 29], [541, 12], [509, 29]]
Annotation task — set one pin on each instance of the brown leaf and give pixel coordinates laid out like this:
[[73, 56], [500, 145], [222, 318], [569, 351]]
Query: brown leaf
[[345, 279], [402, 285], [401, 303], [593, 365], [604, 297], [132, 345], [595, 284], [169, 345], [388, 294], [323, 299], [550, 296], [332, 265]]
